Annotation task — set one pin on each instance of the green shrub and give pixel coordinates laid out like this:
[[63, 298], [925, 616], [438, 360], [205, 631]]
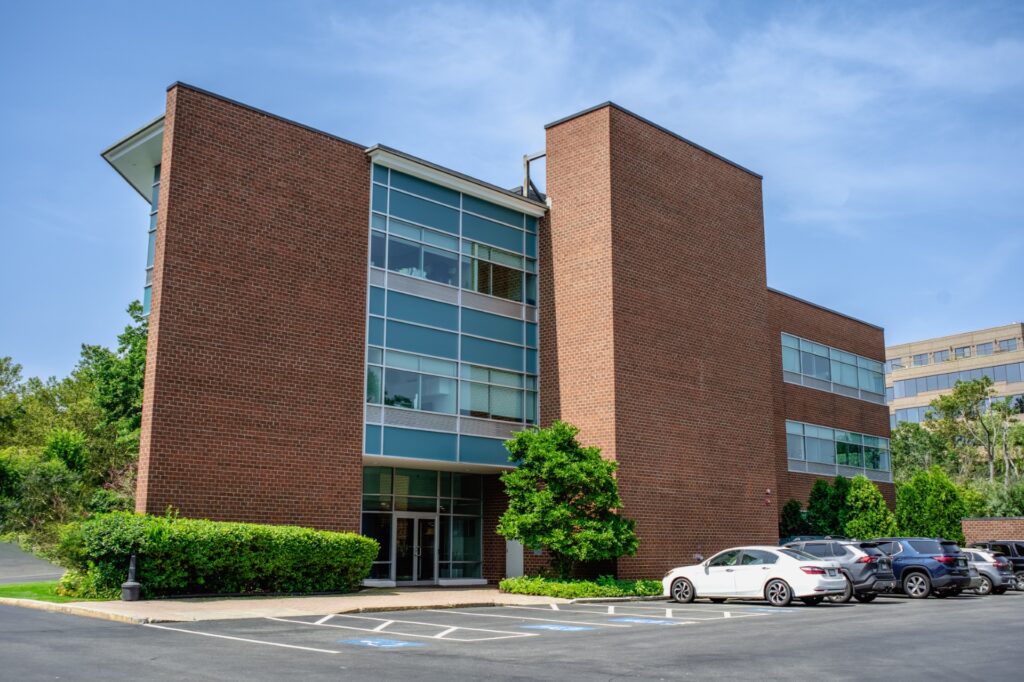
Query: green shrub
[[104, 500], [190, 556], [578, 589]]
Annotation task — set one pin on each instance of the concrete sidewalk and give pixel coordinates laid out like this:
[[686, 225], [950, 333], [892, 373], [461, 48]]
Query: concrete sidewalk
[[375, 599]]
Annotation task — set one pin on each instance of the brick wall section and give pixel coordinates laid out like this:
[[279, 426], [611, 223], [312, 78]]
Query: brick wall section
[[799, 403], [659, 331], [980, 529], [495, 502], [254, 378]]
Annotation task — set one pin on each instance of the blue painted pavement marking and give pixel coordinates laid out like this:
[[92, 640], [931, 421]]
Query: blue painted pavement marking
[[644, 621], [380, 643], [556, 627]]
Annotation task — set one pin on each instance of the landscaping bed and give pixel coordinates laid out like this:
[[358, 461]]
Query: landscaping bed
[[580, 589]]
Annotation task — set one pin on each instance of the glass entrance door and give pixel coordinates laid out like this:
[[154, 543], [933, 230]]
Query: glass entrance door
[[415, 548]]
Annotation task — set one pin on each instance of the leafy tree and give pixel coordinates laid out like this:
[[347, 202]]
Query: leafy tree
[[792, 521], [915, 447], [959, 418], [930, 505], [563, 497], [826, 506], [10, 383], [67, 445], [867, 514]]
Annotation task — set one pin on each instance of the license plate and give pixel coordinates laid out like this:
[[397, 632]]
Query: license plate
[[831, 571], [961, 563]]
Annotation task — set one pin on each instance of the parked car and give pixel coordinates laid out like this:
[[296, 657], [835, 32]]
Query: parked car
[[807, 538], [776, 574], [867, 569], [995, 570], [927, 566], [1012, 550]]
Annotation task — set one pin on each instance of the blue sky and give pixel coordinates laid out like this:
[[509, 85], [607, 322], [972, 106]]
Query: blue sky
[[890, 135]]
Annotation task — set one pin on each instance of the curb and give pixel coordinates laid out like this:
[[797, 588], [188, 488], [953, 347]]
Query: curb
[[612, 600], [71, 610]]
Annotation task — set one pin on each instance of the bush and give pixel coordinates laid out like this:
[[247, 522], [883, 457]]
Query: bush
[[930, 505], [189, 556], [792, 521], [867, 515], [604, 586]]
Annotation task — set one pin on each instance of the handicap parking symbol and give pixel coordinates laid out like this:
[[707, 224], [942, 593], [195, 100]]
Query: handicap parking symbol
[[644, 621], [556, 627], [379, 643]]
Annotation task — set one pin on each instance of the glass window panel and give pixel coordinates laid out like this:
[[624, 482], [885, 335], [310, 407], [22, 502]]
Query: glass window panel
[[442, 240], [380, 198], [530, 242], [845, 374], [151, 250], [1013, 373], [376, 301], [147, 300], [468, 507], [371, 439], [476, 275], [506, 283], [401, 360], [474, 400], [492, 326], [467, 486], [794, 446], [378, 221], [422, 340], [446, 484], [377, 480], [420, 504], [485, 208], [424, 212], [790, 341], [376, 333], [506, 404], [531, 361], [421, 482], [466, 538], [424, 188], [492, 353], [791, 359], [940, 356], [530, 417], [377, 249], [795, 428], [403, 229], [999, 373], [530, 297], [476, 373], [820, 451], [962, 352], [531, 334], [402, 388], [1008, 345], [984, 348], [438, 394], [376, 503], [932, 383], [404, 257], [531, 223], [378, 527], [438, 366], [920, 359], [423, 310], [380, 174], [373, 384], [374, 355]]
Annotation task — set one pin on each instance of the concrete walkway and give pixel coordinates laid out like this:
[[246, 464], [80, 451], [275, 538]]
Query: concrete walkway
[[376, 599]]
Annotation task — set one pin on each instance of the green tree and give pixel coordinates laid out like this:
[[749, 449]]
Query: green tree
[[563, 497], [826, 506], [915, 447], [67, 445], [792, 521], [867, 514], [10, 404], [930, 505], [959, 418]]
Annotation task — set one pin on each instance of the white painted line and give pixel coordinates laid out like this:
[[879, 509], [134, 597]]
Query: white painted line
[[325, 619], [611, 610], [240, 639], [691, 615], [504, 634], [379, 627], [433, 625], [546, 620], [668, 613], [441, 635], [554, 607], [726, 614]]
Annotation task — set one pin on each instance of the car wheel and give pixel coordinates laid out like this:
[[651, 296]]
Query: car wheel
[[843, 598], [682, 591], [866, 597], [777, 593], [1020, 581], [812, 601], [717, 600], [917, 585], [985, 587]]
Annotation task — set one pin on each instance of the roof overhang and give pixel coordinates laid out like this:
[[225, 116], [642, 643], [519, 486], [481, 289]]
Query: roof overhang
[[392, 158], [135, 156]]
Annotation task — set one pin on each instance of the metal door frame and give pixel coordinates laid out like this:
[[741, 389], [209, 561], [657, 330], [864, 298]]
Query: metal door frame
[[416, 517]]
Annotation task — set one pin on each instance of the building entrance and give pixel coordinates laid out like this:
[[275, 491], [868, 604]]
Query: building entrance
[[415, 548]]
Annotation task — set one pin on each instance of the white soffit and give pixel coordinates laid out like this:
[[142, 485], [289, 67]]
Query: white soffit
[[135, 156]]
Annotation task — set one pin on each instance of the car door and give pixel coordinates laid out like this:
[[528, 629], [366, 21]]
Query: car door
[[755, 567], [718, 580]]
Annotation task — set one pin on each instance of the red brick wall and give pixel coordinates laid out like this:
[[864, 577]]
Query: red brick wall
[[980, 529], [799, 403], [254, 377], [655, 314]]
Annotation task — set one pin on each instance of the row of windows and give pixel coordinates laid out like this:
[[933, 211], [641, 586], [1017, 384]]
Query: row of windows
[[918, 414], [958, 353], [824, 363], [154, 204], [487, 270], [908, 388], [393, 441], [823, 445]]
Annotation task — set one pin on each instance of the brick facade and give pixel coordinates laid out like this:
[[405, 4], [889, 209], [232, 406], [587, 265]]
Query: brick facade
[[809, 405], [254, 376], [992, 528]]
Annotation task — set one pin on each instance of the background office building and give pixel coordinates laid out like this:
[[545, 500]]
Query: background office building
[[342, 335], [919, 372]]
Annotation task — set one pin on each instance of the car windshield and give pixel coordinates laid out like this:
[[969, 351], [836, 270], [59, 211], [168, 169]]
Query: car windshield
[[934, 547], [871, 550], [798, 555]]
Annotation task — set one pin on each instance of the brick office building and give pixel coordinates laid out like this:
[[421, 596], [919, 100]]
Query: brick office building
[[341, 336]]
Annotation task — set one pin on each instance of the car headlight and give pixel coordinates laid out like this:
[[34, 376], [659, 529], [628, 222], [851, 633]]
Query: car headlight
[[670, 572]]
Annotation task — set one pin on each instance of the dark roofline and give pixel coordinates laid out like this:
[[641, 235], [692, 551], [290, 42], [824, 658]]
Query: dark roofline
[[827, 310], [289, 121], [462, 176], [663, 129]]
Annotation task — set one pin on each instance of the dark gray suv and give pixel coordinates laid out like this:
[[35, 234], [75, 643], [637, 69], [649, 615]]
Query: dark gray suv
[[868, 570]]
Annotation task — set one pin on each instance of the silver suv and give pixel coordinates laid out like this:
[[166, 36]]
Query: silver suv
[[868, 570], [995, 570]]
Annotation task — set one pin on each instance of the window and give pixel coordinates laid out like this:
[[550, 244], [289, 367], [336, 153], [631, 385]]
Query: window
[[377, 240], [818, 549], [818, 445], [419, 391], [725, 558], [962, 352], [984, 348], [920, 359], [1008, 345], [422, 261], [940, 356], [844, 372], [757, 557]]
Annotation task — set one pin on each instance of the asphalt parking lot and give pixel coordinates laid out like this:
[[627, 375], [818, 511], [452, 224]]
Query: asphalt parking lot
[[963, 638]]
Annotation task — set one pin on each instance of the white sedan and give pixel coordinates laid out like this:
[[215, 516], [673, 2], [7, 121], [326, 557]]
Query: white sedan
[[776, 574]]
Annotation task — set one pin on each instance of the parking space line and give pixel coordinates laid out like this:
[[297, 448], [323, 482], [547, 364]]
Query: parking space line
[[690, 615], [240, 639], [546, 620], [381, 626], [554, 606], [441, 635], [500, 634], [325, 619]]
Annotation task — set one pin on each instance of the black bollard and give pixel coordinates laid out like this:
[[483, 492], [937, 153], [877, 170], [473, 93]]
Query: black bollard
[[130, 589]]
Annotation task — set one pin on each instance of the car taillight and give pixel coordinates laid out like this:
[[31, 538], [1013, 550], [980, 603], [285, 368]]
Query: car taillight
[[945, 559], [1001, 565], [867, 559], [812, 570]]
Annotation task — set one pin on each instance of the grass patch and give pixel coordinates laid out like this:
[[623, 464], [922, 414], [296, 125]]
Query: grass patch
[[44, 591], [580, 589]]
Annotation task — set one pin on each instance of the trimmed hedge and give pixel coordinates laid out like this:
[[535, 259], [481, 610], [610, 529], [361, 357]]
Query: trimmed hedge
[[579, 589], [190, 556]]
